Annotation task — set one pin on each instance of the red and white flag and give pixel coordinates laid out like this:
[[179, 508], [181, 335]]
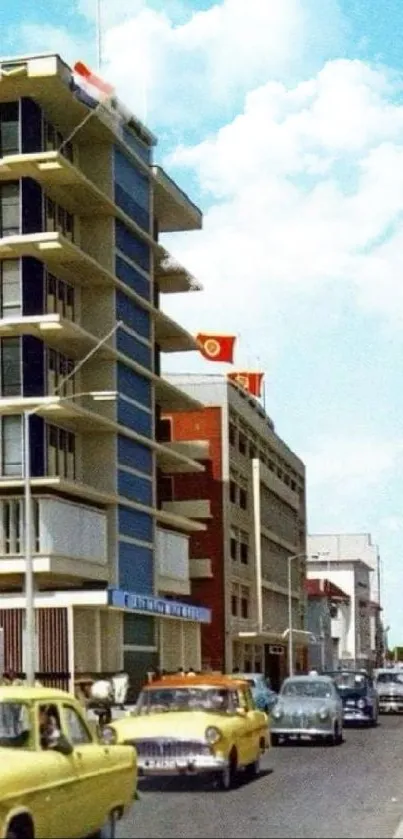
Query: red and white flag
[[252, 382], [217, 347], [96, 87]]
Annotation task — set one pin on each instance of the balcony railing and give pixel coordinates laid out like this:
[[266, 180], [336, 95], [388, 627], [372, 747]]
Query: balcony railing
[[59, 527]]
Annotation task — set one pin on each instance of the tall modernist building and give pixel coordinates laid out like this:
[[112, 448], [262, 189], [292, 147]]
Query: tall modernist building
[[81, 209], [251, 497]]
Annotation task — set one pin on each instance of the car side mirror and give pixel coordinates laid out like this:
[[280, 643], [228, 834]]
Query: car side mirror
[[63, 746]]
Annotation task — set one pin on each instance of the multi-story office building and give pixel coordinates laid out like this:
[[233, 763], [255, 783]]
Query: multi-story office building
[[325, 603], [251, 497], [81, 208], [351, 561]]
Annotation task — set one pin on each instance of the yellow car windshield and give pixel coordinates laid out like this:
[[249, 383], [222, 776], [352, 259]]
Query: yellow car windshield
[[158, 700], [14, 725]]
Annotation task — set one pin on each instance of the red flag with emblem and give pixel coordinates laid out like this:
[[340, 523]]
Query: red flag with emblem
[[252, 382], [217, 347]]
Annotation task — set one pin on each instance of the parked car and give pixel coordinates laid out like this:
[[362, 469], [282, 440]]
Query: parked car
[[194, 725], [389, 687], [56, 778], [265, 698], [308, 707], [358, 695]]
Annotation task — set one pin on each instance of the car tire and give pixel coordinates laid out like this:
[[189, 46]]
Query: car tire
[[226, 778], [108, 831], [254, 768], [374, 718], [334, 738]]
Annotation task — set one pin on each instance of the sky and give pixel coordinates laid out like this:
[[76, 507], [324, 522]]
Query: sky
[[283, 119]]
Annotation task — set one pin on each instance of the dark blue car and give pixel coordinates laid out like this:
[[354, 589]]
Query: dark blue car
[[358, 694]]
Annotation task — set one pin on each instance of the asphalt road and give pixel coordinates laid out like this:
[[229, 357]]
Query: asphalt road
[[353, 790]]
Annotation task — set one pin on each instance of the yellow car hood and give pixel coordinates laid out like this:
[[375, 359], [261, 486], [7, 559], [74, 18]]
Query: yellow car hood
[[178, 724]]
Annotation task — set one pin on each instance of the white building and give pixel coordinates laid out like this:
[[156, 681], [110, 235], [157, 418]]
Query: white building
[[350, 562]]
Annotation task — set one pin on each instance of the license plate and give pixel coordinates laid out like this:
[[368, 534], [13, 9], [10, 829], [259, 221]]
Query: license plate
[[161, 764]]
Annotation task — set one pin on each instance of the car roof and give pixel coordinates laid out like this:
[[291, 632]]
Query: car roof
[[310, 677], [207, 681], [21, 693]]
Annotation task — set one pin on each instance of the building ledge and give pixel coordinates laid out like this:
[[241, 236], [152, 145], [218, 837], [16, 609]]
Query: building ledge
[[173, 208], [61, 334], [170, 275], [56, 566], [62, 487], [180, 522], [171, 585], [171, 399], [170, 336], [60, 255], [200, 569], [194, 509]]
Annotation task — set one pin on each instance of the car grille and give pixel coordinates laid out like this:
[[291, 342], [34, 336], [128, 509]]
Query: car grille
[[300, 721], [159, 748], [391, 697]]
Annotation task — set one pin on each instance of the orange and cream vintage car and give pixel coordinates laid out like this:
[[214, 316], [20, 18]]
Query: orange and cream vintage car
[[56, 778], [192, 725]]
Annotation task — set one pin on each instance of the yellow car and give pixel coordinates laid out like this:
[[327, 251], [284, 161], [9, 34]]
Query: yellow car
[[189, 725], [56, 778]]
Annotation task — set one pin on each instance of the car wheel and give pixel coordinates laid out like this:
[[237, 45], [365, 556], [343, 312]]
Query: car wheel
[[254, 768], [334, 738], [108, 831], [374, 718], [226, 777]]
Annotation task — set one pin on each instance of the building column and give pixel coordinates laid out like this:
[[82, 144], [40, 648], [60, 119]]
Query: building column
[[70, 647], [98, 641]]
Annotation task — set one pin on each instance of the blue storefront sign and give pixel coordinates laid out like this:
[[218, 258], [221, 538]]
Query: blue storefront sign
[[158, 606]]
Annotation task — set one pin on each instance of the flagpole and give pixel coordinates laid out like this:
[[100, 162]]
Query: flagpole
[[99, 34]]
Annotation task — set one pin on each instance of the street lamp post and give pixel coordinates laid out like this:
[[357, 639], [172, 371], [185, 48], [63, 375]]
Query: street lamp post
[[290, 621], [30, 641]]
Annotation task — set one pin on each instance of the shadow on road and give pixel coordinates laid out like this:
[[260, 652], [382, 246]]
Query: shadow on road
[[191, 784]]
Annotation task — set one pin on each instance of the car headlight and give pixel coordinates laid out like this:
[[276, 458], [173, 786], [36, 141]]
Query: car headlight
[[212, 735], [323, 713], [361, 703], [109, 736], [276, 713]]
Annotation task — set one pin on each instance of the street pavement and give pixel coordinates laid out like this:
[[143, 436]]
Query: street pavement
[[353, 790]]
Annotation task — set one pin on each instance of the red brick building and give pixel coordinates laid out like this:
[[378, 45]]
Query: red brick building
[[251, 499]]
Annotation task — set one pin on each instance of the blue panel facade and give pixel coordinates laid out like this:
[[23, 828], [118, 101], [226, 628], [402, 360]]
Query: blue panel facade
[[136, 524], [37, 439], [33, 286], [133, 315], [132, 189], [132, 278], [132, 246], [31, 126], [143, 151], [32, 206], [135, 455], [136, 568], [136, 488], [33, 365], [133, 385], [135, 418], [134, 349]]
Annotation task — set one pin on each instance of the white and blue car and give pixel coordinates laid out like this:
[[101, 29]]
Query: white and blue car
[[264, 697]]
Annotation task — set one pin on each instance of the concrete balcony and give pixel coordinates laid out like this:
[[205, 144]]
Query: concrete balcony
[[195, 449], [194, 509], [69, 540], [59, 333], [172, 556], [173, 209], [200, 569], [171, 337], [170, 398], [170, 275]]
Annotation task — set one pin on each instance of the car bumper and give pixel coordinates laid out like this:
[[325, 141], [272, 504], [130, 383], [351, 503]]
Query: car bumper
[[390, 706], [301, 732], [196, 765], [356, 715]]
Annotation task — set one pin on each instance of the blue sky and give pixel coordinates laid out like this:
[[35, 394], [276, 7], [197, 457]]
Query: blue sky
[[286, 124]]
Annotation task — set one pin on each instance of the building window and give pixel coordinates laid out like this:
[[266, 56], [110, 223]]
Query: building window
[[58, 220], [232, 492], [234, 605], [252, 451], [244, 549], [10, 367], [244, 602], [9, 128], [243, 498], [53, 141], [59, 367], [61, 452], [232, 434], [10, 209], [59, 297], [10, 288], [11, 446], [242, 444], [233, 548]]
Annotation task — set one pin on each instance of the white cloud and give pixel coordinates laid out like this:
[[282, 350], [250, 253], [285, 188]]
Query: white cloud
[[187, 70], [294, 206], [340, 463]]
